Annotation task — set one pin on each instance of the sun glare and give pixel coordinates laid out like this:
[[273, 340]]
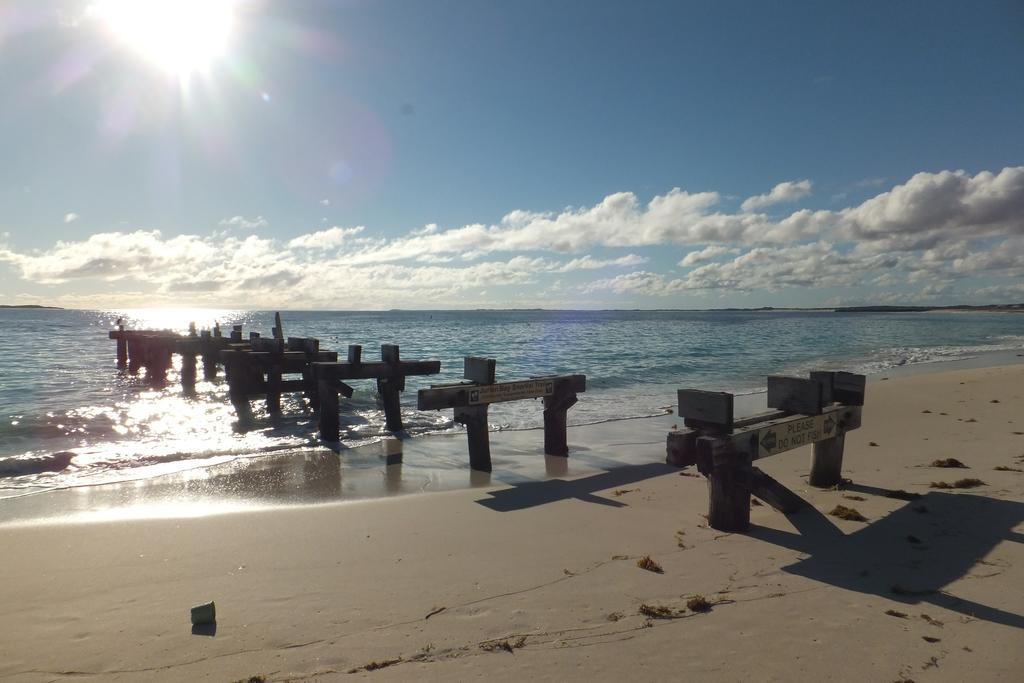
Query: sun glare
[[179, 36]]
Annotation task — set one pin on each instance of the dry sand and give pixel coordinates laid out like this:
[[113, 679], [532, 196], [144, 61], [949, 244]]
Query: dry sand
[[540, 580]]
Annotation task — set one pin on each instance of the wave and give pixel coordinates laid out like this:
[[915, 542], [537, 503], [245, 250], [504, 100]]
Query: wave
[[35, 464]]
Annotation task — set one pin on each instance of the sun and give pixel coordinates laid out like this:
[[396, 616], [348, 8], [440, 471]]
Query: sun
[[179, 36]]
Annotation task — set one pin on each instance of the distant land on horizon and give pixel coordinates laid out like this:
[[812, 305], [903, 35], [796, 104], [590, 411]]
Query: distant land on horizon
[[30, 306], [1008, 308]]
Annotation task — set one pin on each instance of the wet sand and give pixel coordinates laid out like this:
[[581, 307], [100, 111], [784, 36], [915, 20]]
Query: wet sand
[[527, 576]]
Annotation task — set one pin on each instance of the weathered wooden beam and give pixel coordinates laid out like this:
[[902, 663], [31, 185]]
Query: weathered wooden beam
[[796, 394], [772, 492], [328, 420], [827, 462], [479, 370], [556, 408], [209, 354], [122, 347], [706, 409], [278, 331], [188, 374], [355, 354], [849, 388], [389, 389], [475, 420], [826, 379], [268, 345], [459, 395], [274, 389], [136, 354], [842, 387], [728, 484], [236, 333], [376, 370], [681, 448]]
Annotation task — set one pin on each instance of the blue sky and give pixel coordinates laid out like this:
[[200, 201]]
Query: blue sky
[[561, 154]]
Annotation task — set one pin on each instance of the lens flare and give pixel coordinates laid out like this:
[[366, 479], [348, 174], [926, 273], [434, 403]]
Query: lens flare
[[179, 36]]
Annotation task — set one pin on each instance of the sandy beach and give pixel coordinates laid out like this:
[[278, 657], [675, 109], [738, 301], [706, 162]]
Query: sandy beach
[[540, 580]]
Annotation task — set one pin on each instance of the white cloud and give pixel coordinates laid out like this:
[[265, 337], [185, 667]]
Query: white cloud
[[331, 238], [709, 253], [932, 208], [933, 230], [70, 217], [589, 263], [789, 191], [325, 202], [243, 223]]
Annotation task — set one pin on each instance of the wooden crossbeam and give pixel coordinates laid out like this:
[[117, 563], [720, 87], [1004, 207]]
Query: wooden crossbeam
[[470, 401], [468, 394], [375, 370]]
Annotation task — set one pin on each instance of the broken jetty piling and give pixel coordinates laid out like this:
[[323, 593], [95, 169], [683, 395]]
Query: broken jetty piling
[[818, 410]]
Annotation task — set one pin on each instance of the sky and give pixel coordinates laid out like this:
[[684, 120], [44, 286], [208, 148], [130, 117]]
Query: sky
[[360, 154]]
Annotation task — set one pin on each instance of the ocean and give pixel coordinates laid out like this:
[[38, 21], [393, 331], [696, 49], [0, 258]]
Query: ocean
[[61, 393]]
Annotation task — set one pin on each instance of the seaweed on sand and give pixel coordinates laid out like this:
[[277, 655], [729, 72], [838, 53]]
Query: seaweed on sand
[[948, 462], [968, 483], [843, 512], [650, 565]]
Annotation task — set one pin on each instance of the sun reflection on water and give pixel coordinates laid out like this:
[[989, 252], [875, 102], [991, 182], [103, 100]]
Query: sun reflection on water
[[178, 319]]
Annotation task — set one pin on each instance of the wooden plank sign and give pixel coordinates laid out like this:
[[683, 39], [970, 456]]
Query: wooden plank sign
[[510, 391], [791, 434]]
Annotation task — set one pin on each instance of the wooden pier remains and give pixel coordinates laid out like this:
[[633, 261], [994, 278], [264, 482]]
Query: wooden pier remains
[[390, 373], [153, 350], [817, 410], [256, 370], [471, 399]]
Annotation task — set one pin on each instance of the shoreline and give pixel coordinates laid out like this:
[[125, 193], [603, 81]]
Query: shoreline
[[433, 462], [434, 587]]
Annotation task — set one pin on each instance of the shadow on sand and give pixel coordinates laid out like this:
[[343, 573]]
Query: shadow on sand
[[909, 555], [522, 495]]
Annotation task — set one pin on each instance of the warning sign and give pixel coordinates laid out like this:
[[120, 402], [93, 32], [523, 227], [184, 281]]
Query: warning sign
[[511, 391], [789, 435]]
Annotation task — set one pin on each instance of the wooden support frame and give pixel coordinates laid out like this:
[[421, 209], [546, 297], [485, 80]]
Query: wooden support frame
[[830, 405], [390, 374], [470, 401]]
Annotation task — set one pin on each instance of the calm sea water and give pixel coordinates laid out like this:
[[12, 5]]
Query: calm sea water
[[61, 392]]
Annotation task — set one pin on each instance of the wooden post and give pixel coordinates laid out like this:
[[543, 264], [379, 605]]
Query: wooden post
[[728, 485], [556, 408], [328, 419], [390, 389], [192, 329], [475, 419], [238, 390], [136, 355], [158, 360], [479, 370], [827, 462], [236, 334], [188, 373], [209, 355], [355, 354], [122, 347], [216, 330], [274, 380], [278, 331]]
